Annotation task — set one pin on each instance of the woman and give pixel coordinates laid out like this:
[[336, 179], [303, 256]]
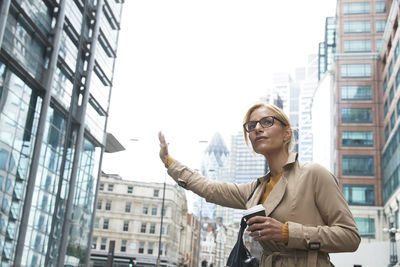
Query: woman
[[307, 216]]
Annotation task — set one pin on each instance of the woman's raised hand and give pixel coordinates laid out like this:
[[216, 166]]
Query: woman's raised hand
[[163, 147]]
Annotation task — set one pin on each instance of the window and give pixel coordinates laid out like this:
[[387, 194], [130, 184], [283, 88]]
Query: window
[[385, 109], [96, 223], [110, 187], [378, 44], [105, 224], [392, 120], [141, 247], [101, 187], [398, 106], [356, 8], [386, 132], [366, 227], [384, 85], [363, 26], [363, 139], [353, 46], [362, 165], [391, 94], [150, 248], [99, 204], [103, 243], [356, 93], [380, 25], [128, 207], [397, 79], [94, 242], [355, 70], [126, 226], [390, 70], [153, 228], [359, 194], [154, 211], [123, 245], [143, 228], [380, 7], [130, 189], [163, 211], [156, 192], [356, 115], [108, 205], [145, 210]]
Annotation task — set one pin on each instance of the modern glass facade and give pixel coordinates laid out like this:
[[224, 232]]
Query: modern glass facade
[[56, 69]]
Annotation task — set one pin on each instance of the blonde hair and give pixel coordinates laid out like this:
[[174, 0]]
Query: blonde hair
[[278, 112]]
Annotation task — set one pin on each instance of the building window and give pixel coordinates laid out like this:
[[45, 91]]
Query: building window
[[103, 244], [105, 224], [384, 85], [143, 228], [141, 247], [99, 204], [380, 25], [126, 226], [385, 109], [356, 93], [156, 192], [363, 26], [398, 106], [355, 70], [391, 94], [356, 8], [359, 194], [390, 69], [366, 227], [101, 187], [396, 52], [353, 46], [356, 115], [386, 132], [153, 228], [163, 212], [362, 165], [378, 44], [123, 245], [130, 189], [108, 205], [150, 248], [357, 139], [128, 207], [145, 210], [110, 187], [94, 242], [154, 211], [380, 7], [96, 223], [392, 120]]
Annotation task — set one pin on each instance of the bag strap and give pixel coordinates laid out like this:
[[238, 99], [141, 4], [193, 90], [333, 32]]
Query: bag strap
[[254, 190]]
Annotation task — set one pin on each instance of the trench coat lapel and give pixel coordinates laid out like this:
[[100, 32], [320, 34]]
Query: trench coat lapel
[[275, 197]]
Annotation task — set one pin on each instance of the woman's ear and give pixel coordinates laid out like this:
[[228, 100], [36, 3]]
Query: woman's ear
[[287, 136]]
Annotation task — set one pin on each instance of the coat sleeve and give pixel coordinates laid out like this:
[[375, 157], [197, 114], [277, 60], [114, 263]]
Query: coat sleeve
[[339, 232], [222, 193]]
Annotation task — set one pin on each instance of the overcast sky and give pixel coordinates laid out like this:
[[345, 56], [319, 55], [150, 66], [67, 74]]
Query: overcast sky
[[193, 68]]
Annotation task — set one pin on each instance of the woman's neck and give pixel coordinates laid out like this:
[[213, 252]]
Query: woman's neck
[[276, 161]]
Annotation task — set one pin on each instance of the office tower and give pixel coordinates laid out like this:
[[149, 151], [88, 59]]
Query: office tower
[[128, 213], [360, 28], [215, 166], [327, 48], [246, 165], [56, 72], [307, 87]]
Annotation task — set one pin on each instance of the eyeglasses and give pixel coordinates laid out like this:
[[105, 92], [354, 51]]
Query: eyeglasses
[[265, 122]]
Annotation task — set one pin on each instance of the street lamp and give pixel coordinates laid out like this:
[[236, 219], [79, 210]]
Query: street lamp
[[161, 226], [392, 230]]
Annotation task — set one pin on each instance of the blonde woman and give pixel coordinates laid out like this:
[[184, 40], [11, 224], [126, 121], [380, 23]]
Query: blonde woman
[[307, 216]]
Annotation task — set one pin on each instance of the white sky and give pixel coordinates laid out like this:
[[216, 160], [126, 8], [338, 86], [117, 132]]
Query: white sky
[[193, 68]]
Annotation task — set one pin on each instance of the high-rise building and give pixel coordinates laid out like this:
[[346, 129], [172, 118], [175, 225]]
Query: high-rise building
[[358, 119], [56, 72], [246, 165], [327, 48]]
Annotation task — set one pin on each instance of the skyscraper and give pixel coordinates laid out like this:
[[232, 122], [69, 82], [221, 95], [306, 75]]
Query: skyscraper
[[56, 72]]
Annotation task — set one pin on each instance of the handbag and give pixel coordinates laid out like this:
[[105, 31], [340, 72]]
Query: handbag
[[240, 256]]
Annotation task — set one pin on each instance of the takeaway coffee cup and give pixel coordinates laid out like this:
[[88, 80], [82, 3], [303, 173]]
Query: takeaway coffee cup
[[258, 210]]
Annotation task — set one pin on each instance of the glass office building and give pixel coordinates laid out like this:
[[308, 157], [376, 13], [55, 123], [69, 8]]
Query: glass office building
[[56, 71]]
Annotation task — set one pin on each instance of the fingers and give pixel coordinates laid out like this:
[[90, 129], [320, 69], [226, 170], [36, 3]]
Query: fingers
[[265, 228], [161, 138]]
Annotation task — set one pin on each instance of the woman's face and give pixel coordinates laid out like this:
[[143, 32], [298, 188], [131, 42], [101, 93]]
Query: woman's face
[[268, 140]]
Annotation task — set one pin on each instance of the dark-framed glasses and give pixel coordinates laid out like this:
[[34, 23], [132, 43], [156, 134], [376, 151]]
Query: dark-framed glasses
[[264, 122]]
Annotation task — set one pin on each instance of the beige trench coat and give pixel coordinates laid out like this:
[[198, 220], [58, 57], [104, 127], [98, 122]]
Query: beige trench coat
[[307, 196]]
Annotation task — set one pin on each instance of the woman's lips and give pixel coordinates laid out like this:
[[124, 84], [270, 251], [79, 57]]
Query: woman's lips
[[260, 138]]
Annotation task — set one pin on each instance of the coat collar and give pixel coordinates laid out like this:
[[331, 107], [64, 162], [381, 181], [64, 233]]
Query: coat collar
[[278, 192]]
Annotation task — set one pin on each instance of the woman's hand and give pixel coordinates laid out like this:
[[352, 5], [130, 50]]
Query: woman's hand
[[265, 228], [163, 147]]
